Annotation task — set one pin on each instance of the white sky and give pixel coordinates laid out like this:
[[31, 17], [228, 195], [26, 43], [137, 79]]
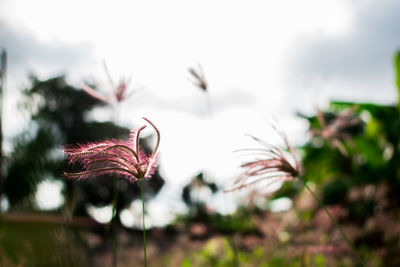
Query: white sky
[[247, 50]]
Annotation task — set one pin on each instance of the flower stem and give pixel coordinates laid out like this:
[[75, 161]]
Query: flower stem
[[335, 223], [144, 226], [114, 224]]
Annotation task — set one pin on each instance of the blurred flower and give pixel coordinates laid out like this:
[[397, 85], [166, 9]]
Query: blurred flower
[[271, 164], [199, 77], [338, 129], [118, 94], [114, 156]]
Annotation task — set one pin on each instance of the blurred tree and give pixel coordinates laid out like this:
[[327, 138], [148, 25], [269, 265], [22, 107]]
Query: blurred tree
[[192, 196]]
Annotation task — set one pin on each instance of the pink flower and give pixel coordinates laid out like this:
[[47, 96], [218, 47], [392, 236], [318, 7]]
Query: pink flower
[[125, 158], [338, 129], [119, 92], [271, 164]]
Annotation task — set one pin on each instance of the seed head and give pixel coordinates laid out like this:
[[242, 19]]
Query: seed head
[[271, 163], [199, 78], [118, 94], [125, 158], [338, 129]]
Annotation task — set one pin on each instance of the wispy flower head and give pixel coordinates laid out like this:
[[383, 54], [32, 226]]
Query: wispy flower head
[[199, 78], [125, 158], [271, 164], [337, 129], [118, 94]]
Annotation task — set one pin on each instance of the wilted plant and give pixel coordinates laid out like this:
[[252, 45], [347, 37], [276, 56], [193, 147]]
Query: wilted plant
[[274, 164], [125, 158]]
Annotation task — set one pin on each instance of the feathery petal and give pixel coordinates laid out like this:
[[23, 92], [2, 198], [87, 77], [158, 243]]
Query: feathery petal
[[272, 164], [338, 129], [125, 158]]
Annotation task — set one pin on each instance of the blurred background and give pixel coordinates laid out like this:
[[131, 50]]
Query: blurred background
[[206, 74]]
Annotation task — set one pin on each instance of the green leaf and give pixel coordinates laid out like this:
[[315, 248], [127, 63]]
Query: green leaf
[[397, 73]]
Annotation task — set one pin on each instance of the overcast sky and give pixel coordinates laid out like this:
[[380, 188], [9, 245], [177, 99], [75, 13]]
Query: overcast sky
[[262, 59], [357, 65]]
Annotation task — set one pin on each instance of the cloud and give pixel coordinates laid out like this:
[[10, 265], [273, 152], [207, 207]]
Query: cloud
[[356, 65], [27, 53]]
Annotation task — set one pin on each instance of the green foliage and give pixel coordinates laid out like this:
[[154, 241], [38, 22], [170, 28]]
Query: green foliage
[[372, 154], [219, 252], [397, 73], [335, 191], [321, 163], [288, 189], [40, 244], [24, 172], [239, 222], [372, 161]]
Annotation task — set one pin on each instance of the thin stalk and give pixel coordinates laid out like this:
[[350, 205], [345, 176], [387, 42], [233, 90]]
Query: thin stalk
[[114, 222], [335, 223], [144, 226]]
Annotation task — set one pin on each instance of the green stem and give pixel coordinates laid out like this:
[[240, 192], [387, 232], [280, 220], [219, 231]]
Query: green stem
[[335, 222], [113, 221], [144, 226]]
